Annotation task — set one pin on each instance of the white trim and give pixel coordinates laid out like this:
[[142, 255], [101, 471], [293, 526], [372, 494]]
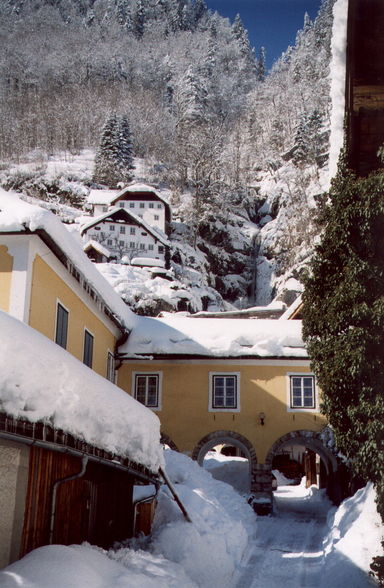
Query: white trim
[[109, 352], [219, 360], [316, 409], [159, 374], [21, 279], [210, 396]]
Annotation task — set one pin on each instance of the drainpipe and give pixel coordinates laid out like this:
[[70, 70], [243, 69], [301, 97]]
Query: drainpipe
[[138, 502], [56, 485]]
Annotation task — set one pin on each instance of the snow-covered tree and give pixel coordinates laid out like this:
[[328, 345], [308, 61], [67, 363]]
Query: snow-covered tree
[[114, 160]]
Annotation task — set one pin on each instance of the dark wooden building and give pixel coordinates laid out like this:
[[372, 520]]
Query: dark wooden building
[[365, 84]]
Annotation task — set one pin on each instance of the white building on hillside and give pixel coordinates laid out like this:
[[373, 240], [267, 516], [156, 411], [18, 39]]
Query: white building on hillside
[[140, 199]]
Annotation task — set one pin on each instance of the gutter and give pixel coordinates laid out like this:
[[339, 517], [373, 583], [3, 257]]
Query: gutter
[[76, 453], [52, 516]]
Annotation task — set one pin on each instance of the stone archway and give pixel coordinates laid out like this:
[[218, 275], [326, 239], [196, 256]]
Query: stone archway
[[314, 441], [230, 438]]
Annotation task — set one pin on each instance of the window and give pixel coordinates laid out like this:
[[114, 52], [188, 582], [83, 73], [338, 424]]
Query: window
[[302, 393], [88, 348], [121, 204], [109, 242], [132, 231], [111, 227], [142, 205], [121, 243], [111, 367], [131, 245], [156, 217], [151, 205], [147, 389], [61, 326], [150, 247], [122, 230], [161, 249], [105, 209], [224, 392], [131, 205], [142, 246], [159, 206]]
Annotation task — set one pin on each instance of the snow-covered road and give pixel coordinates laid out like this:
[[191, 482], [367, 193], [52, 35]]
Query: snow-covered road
[[287, 550]]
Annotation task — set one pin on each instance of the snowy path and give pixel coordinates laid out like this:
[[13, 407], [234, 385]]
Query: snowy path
[[287, 550]]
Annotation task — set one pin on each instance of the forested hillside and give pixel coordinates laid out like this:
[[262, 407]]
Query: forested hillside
[[242, 151]]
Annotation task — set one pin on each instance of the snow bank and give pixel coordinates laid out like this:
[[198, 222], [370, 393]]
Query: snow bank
[[354, 538], [337, 77], [176, 334], [40, 381], [211, 547], [17, 216], [83, 566], [201, 554]]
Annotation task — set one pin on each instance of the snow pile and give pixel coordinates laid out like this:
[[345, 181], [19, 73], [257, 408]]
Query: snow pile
[[176, 334], [354, 538], [337, 76], [212, 546], [201, 554], [83, 566], [72, 397], [18, 216]]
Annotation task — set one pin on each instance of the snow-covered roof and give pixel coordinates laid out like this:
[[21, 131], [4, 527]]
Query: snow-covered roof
[[148, 262], [54, 387], [181, 335], [92, 244], [142, 188], [102, 196], [128, 215], [19, 216]]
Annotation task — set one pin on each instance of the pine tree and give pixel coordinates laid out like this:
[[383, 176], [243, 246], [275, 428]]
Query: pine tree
[[343, 324], [114, 160], [260, 65]]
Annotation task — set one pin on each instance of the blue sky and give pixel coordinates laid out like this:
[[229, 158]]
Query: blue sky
[[270, 23]]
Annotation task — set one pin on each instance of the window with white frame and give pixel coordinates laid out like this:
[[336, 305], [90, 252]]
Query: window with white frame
[[159, 206], [150, 247], [302, 392], [132, 230], [88, 348], [151, 205], [142, 246], [121, 243], [156, 217], [142, 205], [111, 227], [131, 244], [131, 205], [121, 204], [122, 230], [147, 388], [224, 392], [109, 242], [61, 334], [111, 367]]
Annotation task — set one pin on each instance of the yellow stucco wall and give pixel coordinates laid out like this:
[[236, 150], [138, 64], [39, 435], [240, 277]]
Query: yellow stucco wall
[[6, 265], [185, 417], [48, 288]]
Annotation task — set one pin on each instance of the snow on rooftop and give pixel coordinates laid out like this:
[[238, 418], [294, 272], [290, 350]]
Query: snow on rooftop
[[154, 231], [98, 247], [337, 76], [18, 216], [181, 335], [40, 381], [102, 196]]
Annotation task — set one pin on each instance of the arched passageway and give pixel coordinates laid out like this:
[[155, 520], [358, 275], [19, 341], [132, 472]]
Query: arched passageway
[[229, 440], [318, 461]]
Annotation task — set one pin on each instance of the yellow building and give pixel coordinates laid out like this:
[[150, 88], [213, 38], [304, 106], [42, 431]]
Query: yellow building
[[234, 382], [48, 283]]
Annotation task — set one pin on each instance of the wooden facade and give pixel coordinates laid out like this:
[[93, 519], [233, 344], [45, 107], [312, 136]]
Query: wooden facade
[[96, 507], [365, 84]]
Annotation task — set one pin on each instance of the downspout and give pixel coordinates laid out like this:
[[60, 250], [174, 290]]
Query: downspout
[[119, 342], [146, 499], [80, 474]]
